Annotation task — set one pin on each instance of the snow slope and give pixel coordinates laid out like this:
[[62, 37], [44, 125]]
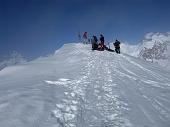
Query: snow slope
[[77, 87]]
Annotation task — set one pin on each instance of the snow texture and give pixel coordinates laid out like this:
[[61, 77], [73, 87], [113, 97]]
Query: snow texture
[[77, 87]]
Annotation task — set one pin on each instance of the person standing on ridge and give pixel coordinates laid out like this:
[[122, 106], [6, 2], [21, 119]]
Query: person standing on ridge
[[117, 46], [102, 41], [94, 43], [85, 38]]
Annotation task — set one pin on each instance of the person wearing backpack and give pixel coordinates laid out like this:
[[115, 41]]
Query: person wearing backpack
[[102, 41], [117, 46], [94, 43]]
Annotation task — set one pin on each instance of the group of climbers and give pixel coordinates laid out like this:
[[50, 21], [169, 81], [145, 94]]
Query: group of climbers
[[100, 46]]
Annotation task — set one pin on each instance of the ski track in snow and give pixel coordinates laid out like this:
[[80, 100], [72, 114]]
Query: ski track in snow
[[109, 90]]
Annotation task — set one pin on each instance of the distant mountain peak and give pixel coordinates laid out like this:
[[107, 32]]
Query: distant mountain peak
[[161, 37], [12, 58], [154, 47]]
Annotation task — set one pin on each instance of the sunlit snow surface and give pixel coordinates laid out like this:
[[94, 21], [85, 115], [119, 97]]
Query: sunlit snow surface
[[77, 87]]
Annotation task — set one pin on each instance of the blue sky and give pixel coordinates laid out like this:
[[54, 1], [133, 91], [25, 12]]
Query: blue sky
[[38, 27]]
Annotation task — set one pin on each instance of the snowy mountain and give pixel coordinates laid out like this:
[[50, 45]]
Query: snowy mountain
[[11, 59], [77, 87], [154, 47]]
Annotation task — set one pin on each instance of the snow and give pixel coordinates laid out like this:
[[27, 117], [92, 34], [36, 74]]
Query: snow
[[11, 59], [148, 42], [77, 87], [132, 50]]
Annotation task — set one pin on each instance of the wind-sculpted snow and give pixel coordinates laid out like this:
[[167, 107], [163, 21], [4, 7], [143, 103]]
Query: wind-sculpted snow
[[78, 87]]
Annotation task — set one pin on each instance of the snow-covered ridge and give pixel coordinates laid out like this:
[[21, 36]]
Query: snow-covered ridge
[[78, 87]]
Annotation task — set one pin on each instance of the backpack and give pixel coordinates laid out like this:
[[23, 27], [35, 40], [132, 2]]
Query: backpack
[[117, 43]]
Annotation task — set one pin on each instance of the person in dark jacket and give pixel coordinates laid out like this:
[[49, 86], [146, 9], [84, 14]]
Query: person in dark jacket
[[94, 43], [102, 41], [117, 46]]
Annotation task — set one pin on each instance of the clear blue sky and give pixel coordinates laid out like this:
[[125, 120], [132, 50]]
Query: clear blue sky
[[38, 27]]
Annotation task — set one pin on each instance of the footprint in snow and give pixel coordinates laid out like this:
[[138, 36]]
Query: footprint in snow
[[61, 81]]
